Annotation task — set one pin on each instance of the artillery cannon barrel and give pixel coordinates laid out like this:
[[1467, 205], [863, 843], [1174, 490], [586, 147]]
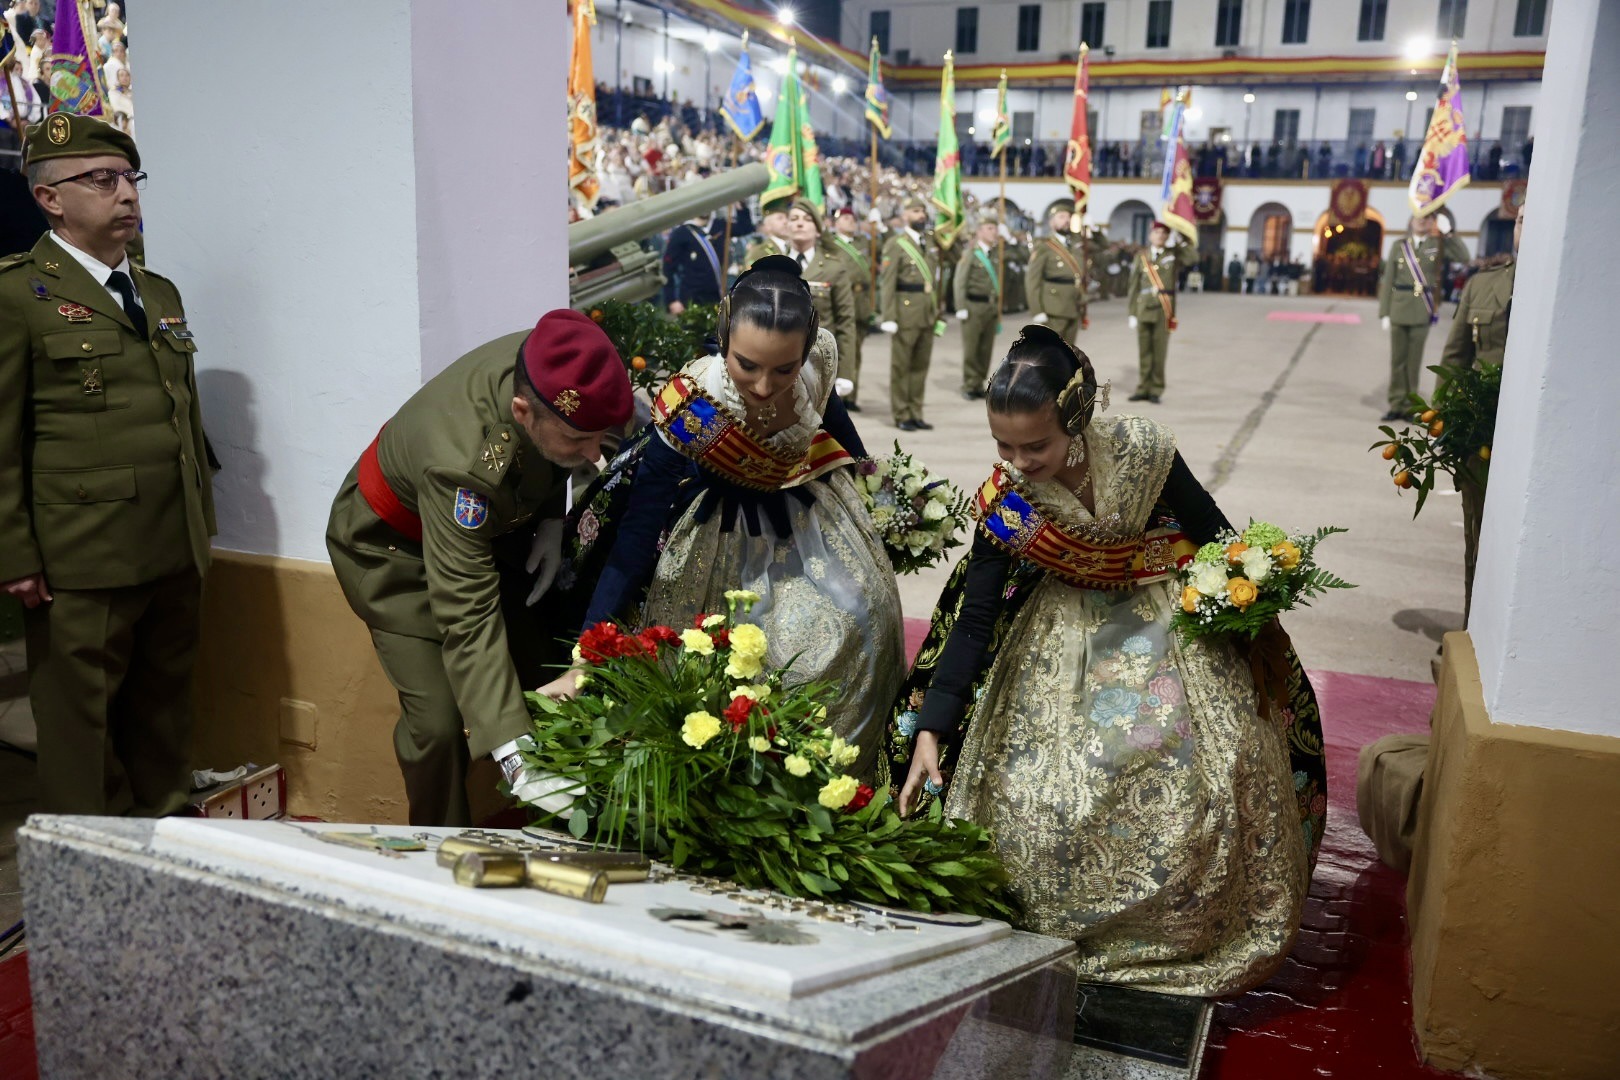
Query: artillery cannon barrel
[[595, 236]]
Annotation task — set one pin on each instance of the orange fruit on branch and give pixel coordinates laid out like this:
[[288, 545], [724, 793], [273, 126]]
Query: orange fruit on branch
[[1389, 452], [1403, 479]]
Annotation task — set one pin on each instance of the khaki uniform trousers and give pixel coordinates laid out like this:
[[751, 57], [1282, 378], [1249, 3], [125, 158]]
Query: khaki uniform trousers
[[910, 352], [1066, 328], [978, 342], [1152, 346], [1405, 363], [109, 680]]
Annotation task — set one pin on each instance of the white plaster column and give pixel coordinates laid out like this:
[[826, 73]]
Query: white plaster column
[[1546, 606], [349, 196]]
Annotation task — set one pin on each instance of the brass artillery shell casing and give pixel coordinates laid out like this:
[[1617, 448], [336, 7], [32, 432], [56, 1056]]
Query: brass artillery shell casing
[[564, 879], [489, 870], [452, 848], [617, 865]]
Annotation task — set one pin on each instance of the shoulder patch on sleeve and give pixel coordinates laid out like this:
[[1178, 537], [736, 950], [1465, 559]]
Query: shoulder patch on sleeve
[[471, 508]]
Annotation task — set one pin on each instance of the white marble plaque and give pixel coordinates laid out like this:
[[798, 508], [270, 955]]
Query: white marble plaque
[[617, 933]]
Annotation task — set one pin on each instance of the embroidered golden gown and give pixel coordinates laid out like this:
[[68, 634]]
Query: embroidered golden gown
[[1141, 805]]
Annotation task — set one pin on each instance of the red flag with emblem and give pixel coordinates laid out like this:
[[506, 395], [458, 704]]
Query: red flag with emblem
[[1077, 163]]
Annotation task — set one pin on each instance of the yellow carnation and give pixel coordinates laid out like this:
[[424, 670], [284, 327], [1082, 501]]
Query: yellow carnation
[[713, 621], [842, 753], [748, 640], [1286, 554], [746, 597], [697, 641], [744, 691], [579, 657], [743, 667], [797, 765], [1242, 592], [699, 728], [759, 744], [837, 792]]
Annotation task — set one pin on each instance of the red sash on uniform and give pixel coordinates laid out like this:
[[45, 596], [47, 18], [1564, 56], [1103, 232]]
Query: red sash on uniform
[[381, 498]]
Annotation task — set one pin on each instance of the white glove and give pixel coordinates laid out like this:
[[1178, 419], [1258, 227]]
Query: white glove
[[961, 314], [1442, 223], [843, 387], [875, 216], [1004, 232], [1384, 322], [1132, 322], [544, 558], [548, 791], [889, 327], [1041, 318]]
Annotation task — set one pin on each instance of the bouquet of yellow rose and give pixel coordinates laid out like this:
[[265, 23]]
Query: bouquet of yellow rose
[[683, 744], [1239, 582]]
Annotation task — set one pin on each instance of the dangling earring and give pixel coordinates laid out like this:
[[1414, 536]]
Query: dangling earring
[[1077, 452]]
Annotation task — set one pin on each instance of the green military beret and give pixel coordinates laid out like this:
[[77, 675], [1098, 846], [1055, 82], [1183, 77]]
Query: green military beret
[[776, 206], [808, 207], [71, 135], [1065, 206], [916, 203]]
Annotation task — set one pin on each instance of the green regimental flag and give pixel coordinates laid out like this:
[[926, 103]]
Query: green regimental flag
[[877, 98], [784, 158], [1001, 134], [812, 155], [947, 193]]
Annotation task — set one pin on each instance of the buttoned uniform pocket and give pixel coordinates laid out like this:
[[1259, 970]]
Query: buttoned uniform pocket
[[77, 511], [84, 363]]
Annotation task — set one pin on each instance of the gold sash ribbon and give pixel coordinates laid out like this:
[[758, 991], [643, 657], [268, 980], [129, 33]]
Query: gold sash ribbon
[[710, 434]]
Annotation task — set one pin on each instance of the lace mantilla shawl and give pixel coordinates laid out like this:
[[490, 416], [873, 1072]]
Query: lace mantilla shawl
[[1130, 458], [810, 393]]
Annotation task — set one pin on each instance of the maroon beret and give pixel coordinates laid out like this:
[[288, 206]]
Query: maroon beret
[[844, 211], [576, 371]]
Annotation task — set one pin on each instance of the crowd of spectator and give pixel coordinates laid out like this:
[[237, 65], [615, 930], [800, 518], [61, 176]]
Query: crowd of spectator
[[32, 30]]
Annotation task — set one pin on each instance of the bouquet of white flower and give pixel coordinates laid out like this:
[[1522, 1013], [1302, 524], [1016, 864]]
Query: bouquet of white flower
[[918, 515], [1237, 584]]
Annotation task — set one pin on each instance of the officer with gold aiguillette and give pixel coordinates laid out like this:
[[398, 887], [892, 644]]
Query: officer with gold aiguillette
[[105, 499], [484, 448], [1151, 296], [1410, 291], [1055, 280]]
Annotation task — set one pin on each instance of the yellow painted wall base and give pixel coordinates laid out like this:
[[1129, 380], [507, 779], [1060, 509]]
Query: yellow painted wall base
[[286, 673], [1514, 894]]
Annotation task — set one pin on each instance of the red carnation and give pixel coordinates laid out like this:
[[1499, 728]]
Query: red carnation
[[737, 712], [697, 620], [863, 795], [601, 642], [654, 636]]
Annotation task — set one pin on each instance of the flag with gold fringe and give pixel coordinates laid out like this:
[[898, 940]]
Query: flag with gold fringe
[[951, 213], [1176, 193], [1442, 165], [877, 98], [583, 182], [812, 154], [1077, 162], [75, 78], [1001, 134], [784, 158], [741, 107]]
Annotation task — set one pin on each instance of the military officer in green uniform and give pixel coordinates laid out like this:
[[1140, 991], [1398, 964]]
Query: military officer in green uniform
[[1055, 280], [976, 289], [909, 305], [1151, 294], [105, 499], [1479, 336], [773, 233], [1410, 291], [847, 243], [827, 273], [481, 450]]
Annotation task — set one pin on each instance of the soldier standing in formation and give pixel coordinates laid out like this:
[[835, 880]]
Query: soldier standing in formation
[[976, 289], [1410, 291], [1479, 336], [849, 245], [105, 499], [694, 267], [414, 535], [909, 305], [1152, 298], [772, 238], [1055, 281], [828, 274]]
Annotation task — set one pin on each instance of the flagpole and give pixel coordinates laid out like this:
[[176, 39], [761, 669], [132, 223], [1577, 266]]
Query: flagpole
[[731, 207], [872, 270], [1001, 241]]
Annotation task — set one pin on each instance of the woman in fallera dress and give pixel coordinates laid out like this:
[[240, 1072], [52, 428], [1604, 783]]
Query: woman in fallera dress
[[1142, 802], [745, 480]]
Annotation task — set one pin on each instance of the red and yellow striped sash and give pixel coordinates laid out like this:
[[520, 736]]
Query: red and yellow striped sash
[[710, 434]]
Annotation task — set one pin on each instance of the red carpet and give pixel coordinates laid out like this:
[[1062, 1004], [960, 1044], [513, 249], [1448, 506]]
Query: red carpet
[[16, 1021]]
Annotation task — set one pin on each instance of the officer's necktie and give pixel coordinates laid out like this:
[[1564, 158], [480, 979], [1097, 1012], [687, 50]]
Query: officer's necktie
[[804, 262], [119, 282]]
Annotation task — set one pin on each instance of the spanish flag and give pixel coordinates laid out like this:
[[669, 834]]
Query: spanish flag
[[582, 179], [1176, 192]]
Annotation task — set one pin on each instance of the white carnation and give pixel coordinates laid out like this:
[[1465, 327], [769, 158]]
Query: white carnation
[[933, 511], [1256, 564], [1209, 578]]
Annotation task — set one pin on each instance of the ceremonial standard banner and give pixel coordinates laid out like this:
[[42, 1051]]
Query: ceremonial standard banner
[[1442, 165], [1347, 205], [877, 98], [784, 158], [1175, 194], [741, 107], [1206, 199], [583, 182], [1077, 161], [1001, 134], [812, 155], [75, 79], [947, 193]]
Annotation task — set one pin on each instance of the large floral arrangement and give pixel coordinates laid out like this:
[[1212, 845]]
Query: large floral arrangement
[[917, 515], [652, 343], [683, 744], [1238, 583], [1452, 434]]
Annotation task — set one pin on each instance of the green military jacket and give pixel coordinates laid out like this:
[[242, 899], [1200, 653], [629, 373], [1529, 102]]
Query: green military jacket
[[860, 271], [973, 287], [760, 248], [832, 293], [1400, 298], [104, 481], [453, 455], [1143, 297], [1479, 330], [1054, 282], [906, 295]]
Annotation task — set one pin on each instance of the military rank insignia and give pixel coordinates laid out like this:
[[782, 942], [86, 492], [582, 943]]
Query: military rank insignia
[[472, 508]]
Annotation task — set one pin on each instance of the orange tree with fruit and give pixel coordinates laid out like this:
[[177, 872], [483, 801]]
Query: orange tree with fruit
[[652, 343], [1452, 432]]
